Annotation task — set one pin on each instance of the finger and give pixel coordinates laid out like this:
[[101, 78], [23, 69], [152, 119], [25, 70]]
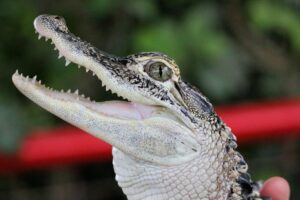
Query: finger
[[277, 188]]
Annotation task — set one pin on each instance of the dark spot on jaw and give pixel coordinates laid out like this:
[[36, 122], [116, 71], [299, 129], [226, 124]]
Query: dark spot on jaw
[[59, 30], [92, 53], [124, 61]]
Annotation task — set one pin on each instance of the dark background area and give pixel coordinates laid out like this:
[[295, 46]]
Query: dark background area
[[233, 51]]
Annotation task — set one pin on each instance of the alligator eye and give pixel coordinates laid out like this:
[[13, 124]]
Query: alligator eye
[[158, 71]]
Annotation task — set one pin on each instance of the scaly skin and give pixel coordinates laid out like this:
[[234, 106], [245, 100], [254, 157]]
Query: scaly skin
[[168, 143]]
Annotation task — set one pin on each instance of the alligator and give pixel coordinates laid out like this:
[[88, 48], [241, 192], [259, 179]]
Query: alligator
[[168, 142]]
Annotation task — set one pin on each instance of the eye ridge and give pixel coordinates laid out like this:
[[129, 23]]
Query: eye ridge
[[158, 71]]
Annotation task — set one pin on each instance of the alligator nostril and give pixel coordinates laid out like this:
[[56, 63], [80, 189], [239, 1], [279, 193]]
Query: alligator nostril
[[56, 17]]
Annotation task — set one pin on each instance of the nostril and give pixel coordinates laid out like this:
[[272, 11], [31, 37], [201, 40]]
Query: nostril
[[56, 17]]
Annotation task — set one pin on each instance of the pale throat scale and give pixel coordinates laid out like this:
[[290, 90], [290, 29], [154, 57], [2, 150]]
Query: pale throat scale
[[168, 142]]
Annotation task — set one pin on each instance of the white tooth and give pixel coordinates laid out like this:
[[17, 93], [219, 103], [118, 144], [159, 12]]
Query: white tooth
[[69, 91], [94, 74], [62, 91], [52, 42], [59, 55], [46, 39], [88, 98], [67, 62], [79, 66], [55, 48], [17, 72], [76, 92], [87, 70], [27, 77], [34, 79], [83, 95], [40, 82], [40, 36]]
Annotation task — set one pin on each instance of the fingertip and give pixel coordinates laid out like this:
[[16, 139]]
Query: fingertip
[[277, 188]]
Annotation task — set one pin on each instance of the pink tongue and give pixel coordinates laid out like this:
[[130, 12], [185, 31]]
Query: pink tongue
[[125, 110]]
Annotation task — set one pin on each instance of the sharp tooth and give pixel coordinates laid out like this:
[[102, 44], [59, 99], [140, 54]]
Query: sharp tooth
[[40, 36], [67, 62], [88, 98], [34, 79], [76, 92], [87, 70], [69, 91], [83, 95], [59, 55], [17, 72], [62, 91], [40, 82], [94, 74], [79, 66], [52, 42], [55, 48], [46, 39]]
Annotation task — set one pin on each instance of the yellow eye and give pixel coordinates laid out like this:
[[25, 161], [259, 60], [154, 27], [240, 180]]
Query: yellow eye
[[158, 71]]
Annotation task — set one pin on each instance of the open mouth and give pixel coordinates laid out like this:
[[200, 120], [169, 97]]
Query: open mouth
[[35, 90], [40, 94], [115, 74], [144, 126]]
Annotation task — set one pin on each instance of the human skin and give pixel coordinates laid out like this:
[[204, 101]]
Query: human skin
[[277, 188]]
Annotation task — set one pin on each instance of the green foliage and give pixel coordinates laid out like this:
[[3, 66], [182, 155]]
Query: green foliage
[[275, 16], [151, 39]]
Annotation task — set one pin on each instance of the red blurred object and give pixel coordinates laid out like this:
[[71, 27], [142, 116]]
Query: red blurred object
[[67, 145]]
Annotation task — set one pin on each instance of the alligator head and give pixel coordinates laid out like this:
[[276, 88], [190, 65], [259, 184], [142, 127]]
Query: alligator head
[[166, 129]]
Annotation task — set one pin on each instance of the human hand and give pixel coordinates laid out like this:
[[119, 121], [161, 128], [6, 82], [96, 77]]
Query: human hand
[[277, 188]]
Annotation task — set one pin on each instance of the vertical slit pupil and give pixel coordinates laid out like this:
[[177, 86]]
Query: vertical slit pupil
[[160, 71]]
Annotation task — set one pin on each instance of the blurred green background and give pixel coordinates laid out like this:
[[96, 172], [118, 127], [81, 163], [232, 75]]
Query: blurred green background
[[234, 51]]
